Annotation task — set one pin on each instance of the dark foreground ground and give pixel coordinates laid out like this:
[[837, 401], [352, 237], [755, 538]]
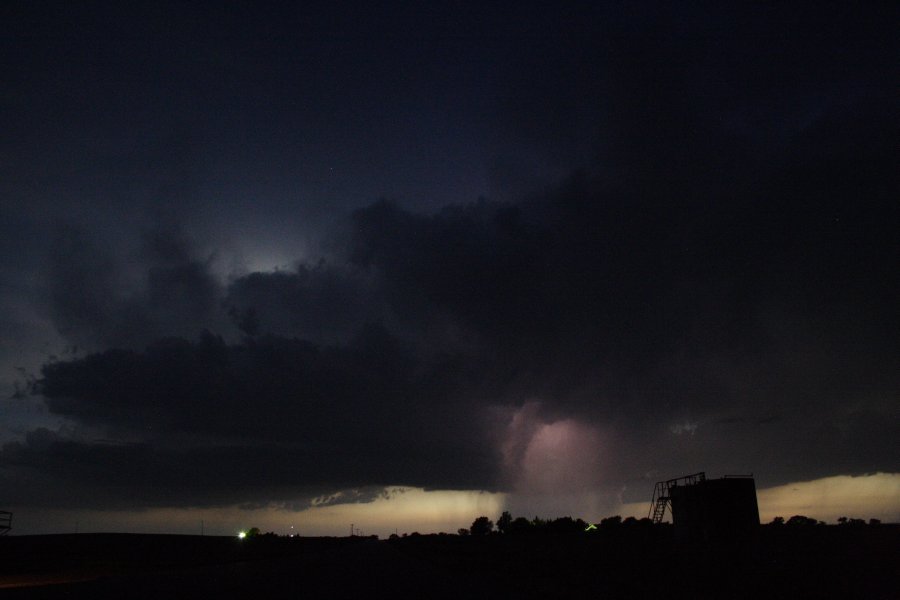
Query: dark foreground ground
[[815, 562]]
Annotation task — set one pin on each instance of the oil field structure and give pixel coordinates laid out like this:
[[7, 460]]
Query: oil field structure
[[707, 509]]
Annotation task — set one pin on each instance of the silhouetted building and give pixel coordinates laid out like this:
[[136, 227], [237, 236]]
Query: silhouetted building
[[708, 508]]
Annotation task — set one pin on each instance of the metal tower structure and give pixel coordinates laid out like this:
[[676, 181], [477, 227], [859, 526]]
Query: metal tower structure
[[5, 522], [662, 494]]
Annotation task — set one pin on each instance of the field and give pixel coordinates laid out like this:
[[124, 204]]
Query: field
[[780, 562]]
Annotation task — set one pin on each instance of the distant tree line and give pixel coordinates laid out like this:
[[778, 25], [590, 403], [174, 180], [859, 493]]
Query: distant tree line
[[804, 521], [507, 525]]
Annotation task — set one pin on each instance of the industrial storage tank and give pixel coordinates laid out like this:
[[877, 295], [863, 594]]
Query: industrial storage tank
[[709, 508]]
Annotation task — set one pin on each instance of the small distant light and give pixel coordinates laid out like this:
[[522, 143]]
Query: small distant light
[[590, 527], [242, 535]]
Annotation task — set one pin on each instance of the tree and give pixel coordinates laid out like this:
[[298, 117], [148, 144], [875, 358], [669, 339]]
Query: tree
[[566, 525], [610, 523], [481, 526], [520, 525], [801, 521], [504, 521]]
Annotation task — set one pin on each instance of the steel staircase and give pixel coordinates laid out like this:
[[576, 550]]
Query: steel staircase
[[661, 494]]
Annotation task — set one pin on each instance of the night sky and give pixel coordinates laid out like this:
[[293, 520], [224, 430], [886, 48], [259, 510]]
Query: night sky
[[303, 265]]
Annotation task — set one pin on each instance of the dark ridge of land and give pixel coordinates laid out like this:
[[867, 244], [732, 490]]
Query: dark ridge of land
[[777, 562]]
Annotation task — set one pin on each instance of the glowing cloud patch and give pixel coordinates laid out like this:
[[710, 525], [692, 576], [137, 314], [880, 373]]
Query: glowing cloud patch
[[684, 427], [555, 467], [561, 456]]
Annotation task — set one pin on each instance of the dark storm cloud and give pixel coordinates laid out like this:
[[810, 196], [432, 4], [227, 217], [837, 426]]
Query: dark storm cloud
[[322, 303], [52, 470], [686, 327], [277, 410], [99, 298], [713, 282], [592, 283]]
